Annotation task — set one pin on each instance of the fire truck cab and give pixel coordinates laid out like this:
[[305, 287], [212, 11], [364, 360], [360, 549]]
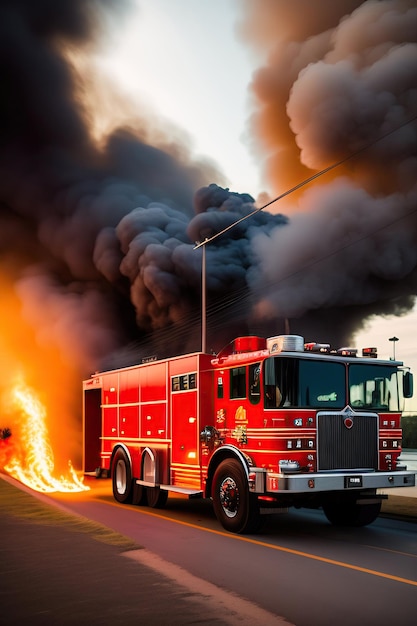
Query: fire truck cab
[[264, 425]]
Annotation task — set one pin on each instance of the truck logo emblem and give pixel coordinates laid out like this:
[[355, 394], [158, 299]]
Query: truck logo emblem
[[348, 422]]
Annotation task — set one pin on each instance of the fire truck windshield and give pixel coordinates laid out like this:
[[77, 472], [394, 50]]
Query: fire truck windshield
[[374, 387], [307, 383]]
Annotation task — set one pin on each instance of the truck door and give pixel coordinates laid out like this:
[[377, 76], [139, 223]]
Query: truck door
[[92, 430], [184, 423]]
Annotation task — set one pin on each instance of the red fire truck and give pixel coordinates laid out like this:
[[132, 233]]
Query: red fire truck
[[264, 425]]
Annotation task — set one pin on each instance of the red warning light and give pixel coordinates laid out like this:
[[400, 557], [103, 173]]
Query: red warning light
[[371, 353]]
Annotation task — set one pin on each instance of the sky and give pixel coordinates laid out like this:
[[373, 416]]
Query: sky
[[186, 61], [134, 128]]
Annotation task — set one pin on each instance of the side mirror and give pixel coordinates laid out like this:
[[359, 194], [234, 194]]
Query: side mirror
[[209, 435], [408, 385]]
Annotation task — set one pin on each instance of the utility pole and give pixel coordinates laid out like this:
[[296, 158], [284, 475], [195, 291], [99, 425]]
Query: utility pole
[[203, 302], [394, 341]]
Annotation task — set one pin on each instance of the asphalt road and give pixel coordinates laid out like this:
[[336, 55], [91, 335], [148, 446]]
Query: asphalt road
[[300, 567], [58, 568], [187, 570]]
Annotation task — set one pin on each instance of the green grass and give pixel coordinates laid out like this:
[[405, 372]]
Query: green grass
[[409, 426], [18, 504], [400, 506]]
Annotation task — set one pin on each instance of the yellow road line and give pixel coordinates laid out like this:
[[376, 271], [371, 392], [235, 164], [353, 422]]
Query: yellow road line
[[256, 542], [413, 556]]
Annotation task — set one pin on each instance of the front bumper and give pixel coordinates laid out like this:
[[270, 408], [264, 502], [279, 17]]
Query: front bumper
[[337, 481]]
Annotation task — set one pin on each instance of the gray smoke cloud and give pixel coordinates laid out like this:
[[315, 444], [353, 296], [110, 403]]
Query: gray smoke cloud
[[63, 195], [100, 236], [332, 85]]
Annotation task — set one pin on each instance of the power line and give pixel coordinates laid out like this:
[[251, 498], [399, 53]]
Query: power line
[[218, 311], [305, 182]]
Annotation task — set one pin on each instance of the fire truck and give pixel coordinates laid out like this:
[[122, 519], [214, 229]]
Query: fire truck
[[264, 425]]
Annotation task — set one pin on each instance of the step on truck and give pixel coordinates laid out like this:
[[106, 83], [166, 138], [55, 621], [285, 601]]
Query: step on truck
[[264, 425]]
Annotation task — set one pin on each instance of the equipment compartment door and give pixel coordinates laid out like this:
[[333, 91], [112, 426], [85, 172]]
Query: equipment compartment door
[[92, 430], [185, 435]]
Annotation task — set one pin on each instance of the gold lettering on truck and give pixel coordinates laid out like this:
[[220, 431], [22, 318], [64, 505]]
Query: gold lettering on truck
[[240, 415]]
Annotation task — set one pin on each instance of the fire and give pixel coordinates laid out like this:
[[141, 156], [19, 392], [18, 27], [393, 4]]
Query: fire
[[39, 401], [32, 462]]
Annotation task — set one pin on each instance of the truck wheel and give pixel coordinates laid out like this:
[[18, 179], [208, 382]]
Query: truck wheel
[[348, 512], [122, 477], [138, 494], [157, 497], [236, 509]]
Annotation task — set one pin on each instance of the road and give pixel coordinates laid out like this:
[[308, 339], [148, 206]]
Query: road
[[409, 458], [300, 567]]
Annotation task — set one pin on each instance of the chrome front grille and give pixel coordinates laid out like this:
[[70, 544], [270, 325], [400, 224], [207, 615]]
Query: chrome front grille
[[347, 440]]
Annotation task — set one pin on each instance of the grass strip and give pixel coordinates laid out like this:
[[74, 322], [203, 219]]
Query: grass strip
[[400, 506], [19, 504]]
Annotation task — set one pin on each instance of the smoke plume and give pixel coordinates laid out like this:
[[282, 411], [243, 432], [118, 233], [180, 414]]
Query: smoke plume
[[66, 198], [338, 77], [99, 232]]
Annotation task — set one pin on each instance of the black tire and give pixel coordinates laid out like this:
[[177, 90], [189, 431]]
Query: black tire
[[122, 477], [236, 509], [157, 497], [138, 495], [347, 512]]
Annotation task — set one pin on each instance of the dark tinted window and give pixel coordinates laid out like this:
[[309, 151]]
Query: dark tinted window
[[373, 387], [238, 382], [292, 382]]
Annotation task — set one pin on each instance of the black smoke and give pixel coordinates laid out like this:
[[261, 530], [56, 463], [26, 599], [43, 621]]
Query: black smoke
[[64, 197], [338, 76], [99, 234]]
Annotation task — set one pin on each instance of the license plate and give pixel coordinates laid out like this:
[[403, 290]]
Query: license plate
[[353, 481]]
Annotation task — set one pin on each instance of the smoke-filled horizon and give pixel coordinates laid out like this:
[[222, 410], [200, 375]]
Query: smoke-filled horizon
[[98, 232]]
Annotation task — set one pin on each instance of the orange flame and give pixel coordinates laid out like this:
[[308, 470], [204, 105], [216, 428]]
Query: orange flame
[[34, 465], [39, 402]]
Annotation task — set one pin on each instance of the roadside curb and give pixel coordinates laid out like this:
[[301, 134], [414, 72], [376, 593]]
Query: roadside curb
[[403, 508]]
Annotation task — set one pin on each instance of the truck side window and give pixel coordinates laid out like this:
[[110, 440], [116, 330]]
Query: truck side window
[[254, 383], [279, 382], [238, 382], [220, 388]]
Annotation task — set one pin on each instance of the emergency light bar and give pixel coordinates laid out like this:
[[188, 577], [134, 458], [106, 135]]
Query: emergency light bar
[[288, 343], [347, 352], [317, 347], [370, 352]]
